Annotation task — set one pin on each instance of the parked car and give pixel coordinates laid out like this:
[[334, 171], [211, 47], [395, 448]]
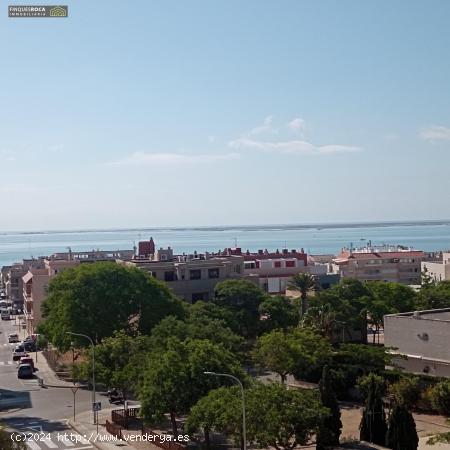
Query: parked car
[[25, 371], [27, 360], [5, 314], [29, 346], [18, 352], [13, 338]]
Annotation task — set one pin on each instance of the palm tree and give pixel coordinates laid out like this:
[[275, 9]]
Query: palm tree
[[304, 283]]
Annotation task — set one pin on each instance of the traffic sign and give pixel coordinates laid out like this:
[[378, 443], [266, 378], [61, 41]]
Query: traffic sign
[[97, 406]]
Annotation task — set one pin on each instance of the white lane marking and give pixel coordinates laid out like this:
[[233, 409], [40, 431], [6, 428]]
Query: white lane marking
[[81, 439], [32, 445], [2, 363], [10, 363], [67, 442], [49, 443]]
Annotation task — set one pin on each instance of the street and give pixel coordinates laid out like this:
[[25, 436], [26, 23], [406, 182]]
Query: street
[[29, 408]]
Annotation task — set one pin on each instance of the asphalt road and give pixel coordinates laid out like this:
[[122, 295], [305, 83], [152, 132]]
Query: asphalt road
[[41, 413]]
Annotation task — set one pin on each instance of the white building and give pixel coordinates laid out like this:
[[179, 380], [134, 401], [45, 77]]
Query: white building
[[421, 339], [438, 270]]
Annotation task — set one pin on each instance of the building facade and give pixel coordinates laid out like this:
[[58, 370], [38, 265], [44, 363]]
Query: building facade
[[192, 277], [393, 264], [421, 341], [438, 270]]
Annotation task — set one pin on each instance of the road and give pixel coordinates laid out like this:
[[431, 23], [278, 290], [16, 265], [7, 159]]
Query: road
[[29, 408]]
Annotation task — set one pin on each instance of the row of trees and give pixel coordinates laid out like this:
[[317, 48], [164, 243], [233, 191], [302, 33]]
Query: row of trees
[[151, 345]]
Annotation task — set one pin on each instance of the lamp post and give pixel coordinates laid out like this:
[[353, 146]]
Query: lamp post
[[93, 368], [238, 381]]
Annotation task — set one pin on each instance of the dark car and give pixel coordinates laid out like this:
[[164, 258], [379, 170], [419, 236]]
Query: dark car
[[29, 346], [25, 371]]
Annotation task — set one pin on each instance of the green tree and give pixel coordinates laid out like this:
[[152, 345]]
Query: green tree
[[293, 352], [303, 283], [99, 299], [283, 418], [406, 391], [440, 397], [278, 312], [434, 296], [220, 411], [117, 361], [242, 298], [349, 301], [402, 433], [323, 319], [8, 443], [195, 327], [373, 422], [330, 428], [174, 380]]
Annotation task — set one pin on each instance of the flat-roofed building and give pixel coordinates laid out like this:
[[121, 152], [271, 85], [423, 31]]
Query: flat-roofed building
[[438, 270], [421, 341], [394, 264], [192, 277]]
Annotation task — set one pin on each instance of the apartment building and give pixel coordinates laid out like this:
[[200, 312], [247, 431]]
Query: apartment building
[[421, 341], [12, 279], [190, 276], [35, 281], [387, 263], [438, 269]]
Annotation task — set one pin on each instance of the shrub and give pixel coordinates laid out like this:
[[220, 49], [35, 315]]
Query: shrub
[[440, 397], [406, 391]]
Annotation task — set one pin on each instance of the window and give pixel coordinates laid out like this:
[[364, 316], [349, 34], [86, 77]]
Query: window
[[213, 273], [290, 263], [169, 276], [277, 264], [195, 274]]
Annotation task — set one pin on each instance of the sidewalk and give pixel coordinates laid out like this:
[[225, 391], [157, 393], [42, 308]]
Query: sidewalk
[[84, 425], [45, 373]]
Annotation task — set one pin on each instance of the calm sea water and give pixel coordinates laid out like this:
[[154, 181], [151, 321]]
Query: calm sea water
[[315, 239]]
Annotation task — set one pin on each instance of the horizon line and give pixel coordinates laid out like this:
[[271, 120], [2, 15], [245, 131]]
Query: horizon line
[[354, 224]]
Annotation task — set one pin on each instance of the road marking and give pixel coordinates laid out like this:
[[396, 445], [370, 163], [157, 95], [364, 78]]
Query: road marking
[[49, 443], [32, 445], [82, 440], [67, 442], [10, 363]]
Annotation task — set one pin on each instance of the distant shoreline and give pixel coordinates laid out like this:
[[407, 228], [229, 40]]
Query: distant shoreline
[[268, 227]]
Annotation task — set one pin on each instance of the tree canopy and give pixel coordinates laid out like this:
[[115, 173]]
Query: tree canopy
[[276, 417], [278, 312], [174, 380], [101, 298], [242, 298], [294, 352]]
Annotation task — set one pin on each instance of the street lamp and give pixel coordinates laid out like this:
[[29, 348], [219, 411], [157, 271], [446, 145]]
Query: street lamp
[[93, 368], [238, 381]]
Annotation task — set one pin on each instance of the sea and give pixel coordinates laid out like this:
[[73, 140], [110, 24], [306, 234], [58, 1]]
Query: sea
[[314, 239]]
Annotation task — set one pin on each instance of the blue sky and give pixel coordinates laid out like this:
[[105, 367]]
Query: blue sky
[[167, 113]]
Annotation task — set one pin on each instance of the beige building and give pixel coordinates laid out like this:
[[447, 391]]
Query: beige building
[[394, 264], [421, 341], [35, 281], [438, 270], [192, 277]]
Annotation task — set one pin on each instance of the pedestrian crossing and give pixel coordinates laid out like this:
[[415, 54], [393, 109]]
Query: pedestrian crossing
[[6, 363], [60, 442]]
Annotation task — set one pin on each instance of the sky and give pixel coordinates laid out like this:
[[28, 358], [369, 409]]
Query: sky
[[174, 113]]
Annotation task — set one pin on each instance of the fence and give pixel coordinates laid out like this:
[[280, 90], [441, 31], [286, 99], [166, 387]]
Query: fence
[[165, 445], [114, 429], [122, 417]]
